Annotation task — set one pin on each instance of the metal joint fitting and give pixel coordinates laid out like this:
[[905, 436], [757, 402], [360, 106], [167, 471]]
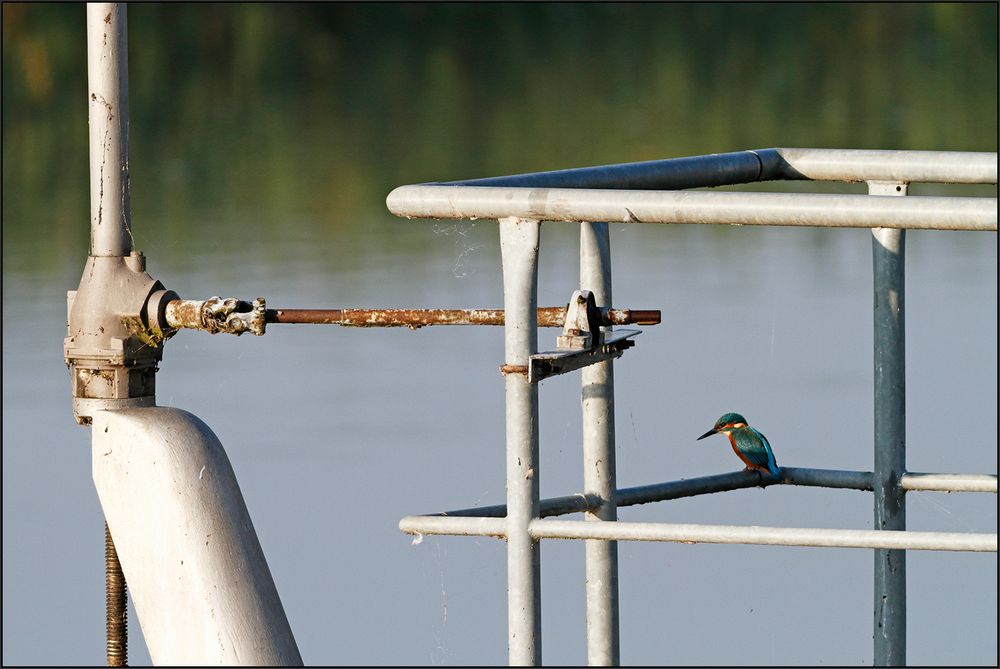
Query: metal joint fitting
[[215, 315], [115, 333]]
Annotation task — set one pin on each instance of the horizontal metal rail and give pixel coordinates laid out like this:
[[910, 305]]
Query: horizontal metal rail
[[799, 476], [829, 478], [237, 316], [956, 167], [764, 165], [767, 536], [455, 526], [674, 173], [949, 482], [695, 207], [554, 506], [713, 534], [550, 317]]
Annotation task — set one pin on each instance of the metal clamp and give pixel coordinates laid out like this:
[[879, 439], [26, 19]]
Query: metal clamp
[[582, 342]]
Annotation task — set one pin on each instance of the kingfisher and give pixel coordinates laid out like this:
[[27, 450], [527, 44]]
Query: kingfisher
[[749, 444]]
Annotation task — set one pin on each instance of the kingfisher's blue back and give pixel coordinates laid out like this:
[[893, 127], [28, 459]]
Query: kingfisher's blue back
[[754, 449]]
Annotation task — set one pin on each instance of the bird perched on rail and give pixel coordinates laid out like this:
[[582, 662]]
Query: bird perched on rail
[[749, 444]]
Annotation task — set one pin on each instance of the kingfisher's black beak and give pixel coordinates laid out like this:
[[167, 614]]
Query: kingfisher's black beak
[[707, 434]]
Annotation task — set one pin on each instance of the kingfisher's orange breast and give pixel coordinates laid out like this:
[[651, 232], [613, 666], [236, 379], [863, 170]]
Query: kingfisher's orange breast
[[741, 456]]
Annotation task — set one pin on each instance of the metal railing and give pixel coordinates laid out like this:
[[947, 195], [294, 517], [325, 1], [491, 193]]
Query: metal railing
[[650, 192]]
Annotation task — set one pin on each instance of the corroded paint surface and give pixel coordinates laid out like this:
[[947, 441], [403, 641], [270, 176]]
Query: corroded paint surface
[[217, 315], [418, 318]]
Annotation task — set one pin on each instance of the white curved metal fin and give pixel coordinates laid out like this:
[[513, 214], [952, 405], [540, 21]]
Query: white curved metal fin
[[198, 577]]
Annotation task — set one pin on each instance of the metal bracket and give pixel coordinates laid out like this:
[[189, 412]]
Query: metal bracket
[[582, 342], [552, 363], [582, 328]]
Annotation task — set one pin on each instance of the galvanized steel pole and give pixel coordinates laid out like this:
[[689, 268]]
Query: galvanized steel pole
[[107, 75], [598, 398], [519, 252], [888, 246]]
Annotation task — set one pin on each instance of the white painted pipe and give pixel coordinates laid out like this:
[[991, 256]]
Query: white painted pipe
[[949, 482], [545, 528], [198, 577], [906, 166], [766, 536], [107, 94]]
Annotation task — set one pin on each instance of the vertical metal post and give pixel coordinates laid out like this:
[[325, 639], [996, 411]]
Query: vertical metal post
[[888, 246], [519, 252], [598, 398], [107, 75]]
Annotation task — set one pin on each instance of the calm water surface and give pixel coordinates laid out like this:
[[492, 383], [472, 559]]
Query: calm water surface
[[337, 433]]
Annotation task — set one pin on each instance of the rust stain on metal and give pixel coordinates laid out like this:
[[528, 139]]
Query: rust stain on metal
[[513, 369], [418, 318], [217, 315], [630, 317], [318, 316], [551, 317], [184, 314], [548, 317], [150, 336]]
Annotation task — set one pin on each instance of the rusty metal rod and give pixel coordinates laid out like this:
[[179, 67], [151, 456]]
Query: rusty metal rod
[[552, 317], [117, 602]]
